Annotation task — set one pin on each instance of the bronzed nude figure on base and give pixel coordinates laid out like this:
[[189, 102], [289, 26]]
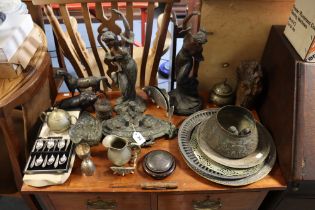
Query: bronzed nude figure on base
[[185, 97]]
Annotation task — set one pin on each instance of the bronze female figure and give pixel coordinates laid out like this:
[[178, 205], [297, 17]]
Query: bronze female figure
[[185, 97], [118, 54]]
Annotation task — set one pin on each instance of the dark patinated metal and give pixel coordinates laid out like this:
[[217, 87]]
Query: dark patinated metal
[[185, 97], [250, 83], [86, 130], [103, 108], [159, 164], [207, 171], [117, 54], [131, 118], [217, 132], [222, 94], [158, 96], [82, 83], [84, 100]]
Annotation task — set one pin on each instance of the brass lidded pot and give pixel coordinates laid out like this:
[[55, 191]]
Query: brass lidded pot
[[222, 94]]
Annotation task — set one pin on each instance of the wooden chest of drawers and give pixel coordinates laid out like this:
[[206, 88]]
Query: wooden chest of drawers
[[288, 111], [160, 201]]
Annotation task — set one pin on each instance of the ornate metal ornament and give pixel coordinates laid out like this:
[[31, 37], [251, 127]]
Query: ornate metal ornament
[[222, 94], [158, 96], [131, 119], [120, 152], [119, 149], [185, 97], [231, 132], [84, 100], [120, 170], [82, 83], [117, 54], [101, 204], [184, 141], [251, 160], [103, 108], [207, 204], [58, 120], [221, 171], [86, 130]]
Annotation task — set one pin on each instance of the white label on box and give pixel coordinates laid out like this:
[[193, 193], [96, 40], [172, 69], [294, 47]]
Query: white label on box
[[300, 29]]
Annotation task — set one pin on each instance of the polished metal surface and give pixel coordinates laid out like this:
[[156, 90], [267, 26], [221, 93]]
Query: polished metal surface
[[221, 171], [87, 167], [58, 120], [83, 151], [218, 134], [49, 155], [159, 164], [222, 94], [159, 161], [184, 141], [255, 158], [119, 151]]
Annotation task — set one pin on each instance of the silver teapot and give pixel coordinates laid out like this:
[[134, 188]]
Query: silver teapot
[[58, 120]]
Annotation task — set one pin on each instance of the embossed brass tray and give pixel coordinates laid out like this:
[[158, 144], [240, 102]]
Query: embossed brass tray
[[255, 158], [232, 176], [224, 171]]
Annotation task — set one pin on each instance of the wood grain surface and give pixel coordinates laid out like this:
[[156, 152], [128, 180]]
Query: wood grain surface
[[188, 180]]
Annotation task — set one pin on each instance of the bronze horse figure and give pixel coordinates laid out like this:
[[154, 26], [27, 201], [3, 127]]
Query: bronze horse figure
[[82, 83]]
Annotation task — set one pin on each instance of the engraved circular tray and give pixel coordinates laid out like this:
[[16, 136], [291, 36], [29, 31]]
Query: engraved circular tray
[[184, 138], [220, 170], [255, 158]]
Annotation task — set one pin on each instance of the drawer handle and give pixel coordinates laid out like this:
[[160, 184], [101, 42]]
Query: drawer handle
[[208, 204], [101, 204]]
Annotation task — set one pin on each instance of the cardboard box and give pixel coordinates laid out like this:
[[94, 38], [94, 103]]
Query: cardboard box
[[300, 29], [22, 57], [13, 32]]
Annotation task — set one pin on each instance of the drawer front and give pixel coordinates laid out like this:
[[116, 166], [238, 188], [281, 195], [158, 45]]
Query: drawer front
[[217, 201], [100, 201]]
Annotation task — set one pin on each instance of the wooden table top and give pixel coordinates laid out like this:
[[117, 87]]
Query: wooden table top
[[187, 179]]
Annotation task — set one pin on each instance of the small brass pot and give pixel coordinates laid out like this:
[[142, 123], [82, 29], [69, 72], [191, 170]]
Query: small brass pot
[[231, 132], [222, 94]]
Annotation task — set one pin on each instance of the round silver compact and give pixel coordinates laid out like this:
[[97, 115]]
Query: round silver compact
[[159, 164]]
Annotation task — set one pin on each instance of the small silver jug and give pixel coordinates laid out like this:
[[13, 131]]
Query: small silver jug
[[119, 149]]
